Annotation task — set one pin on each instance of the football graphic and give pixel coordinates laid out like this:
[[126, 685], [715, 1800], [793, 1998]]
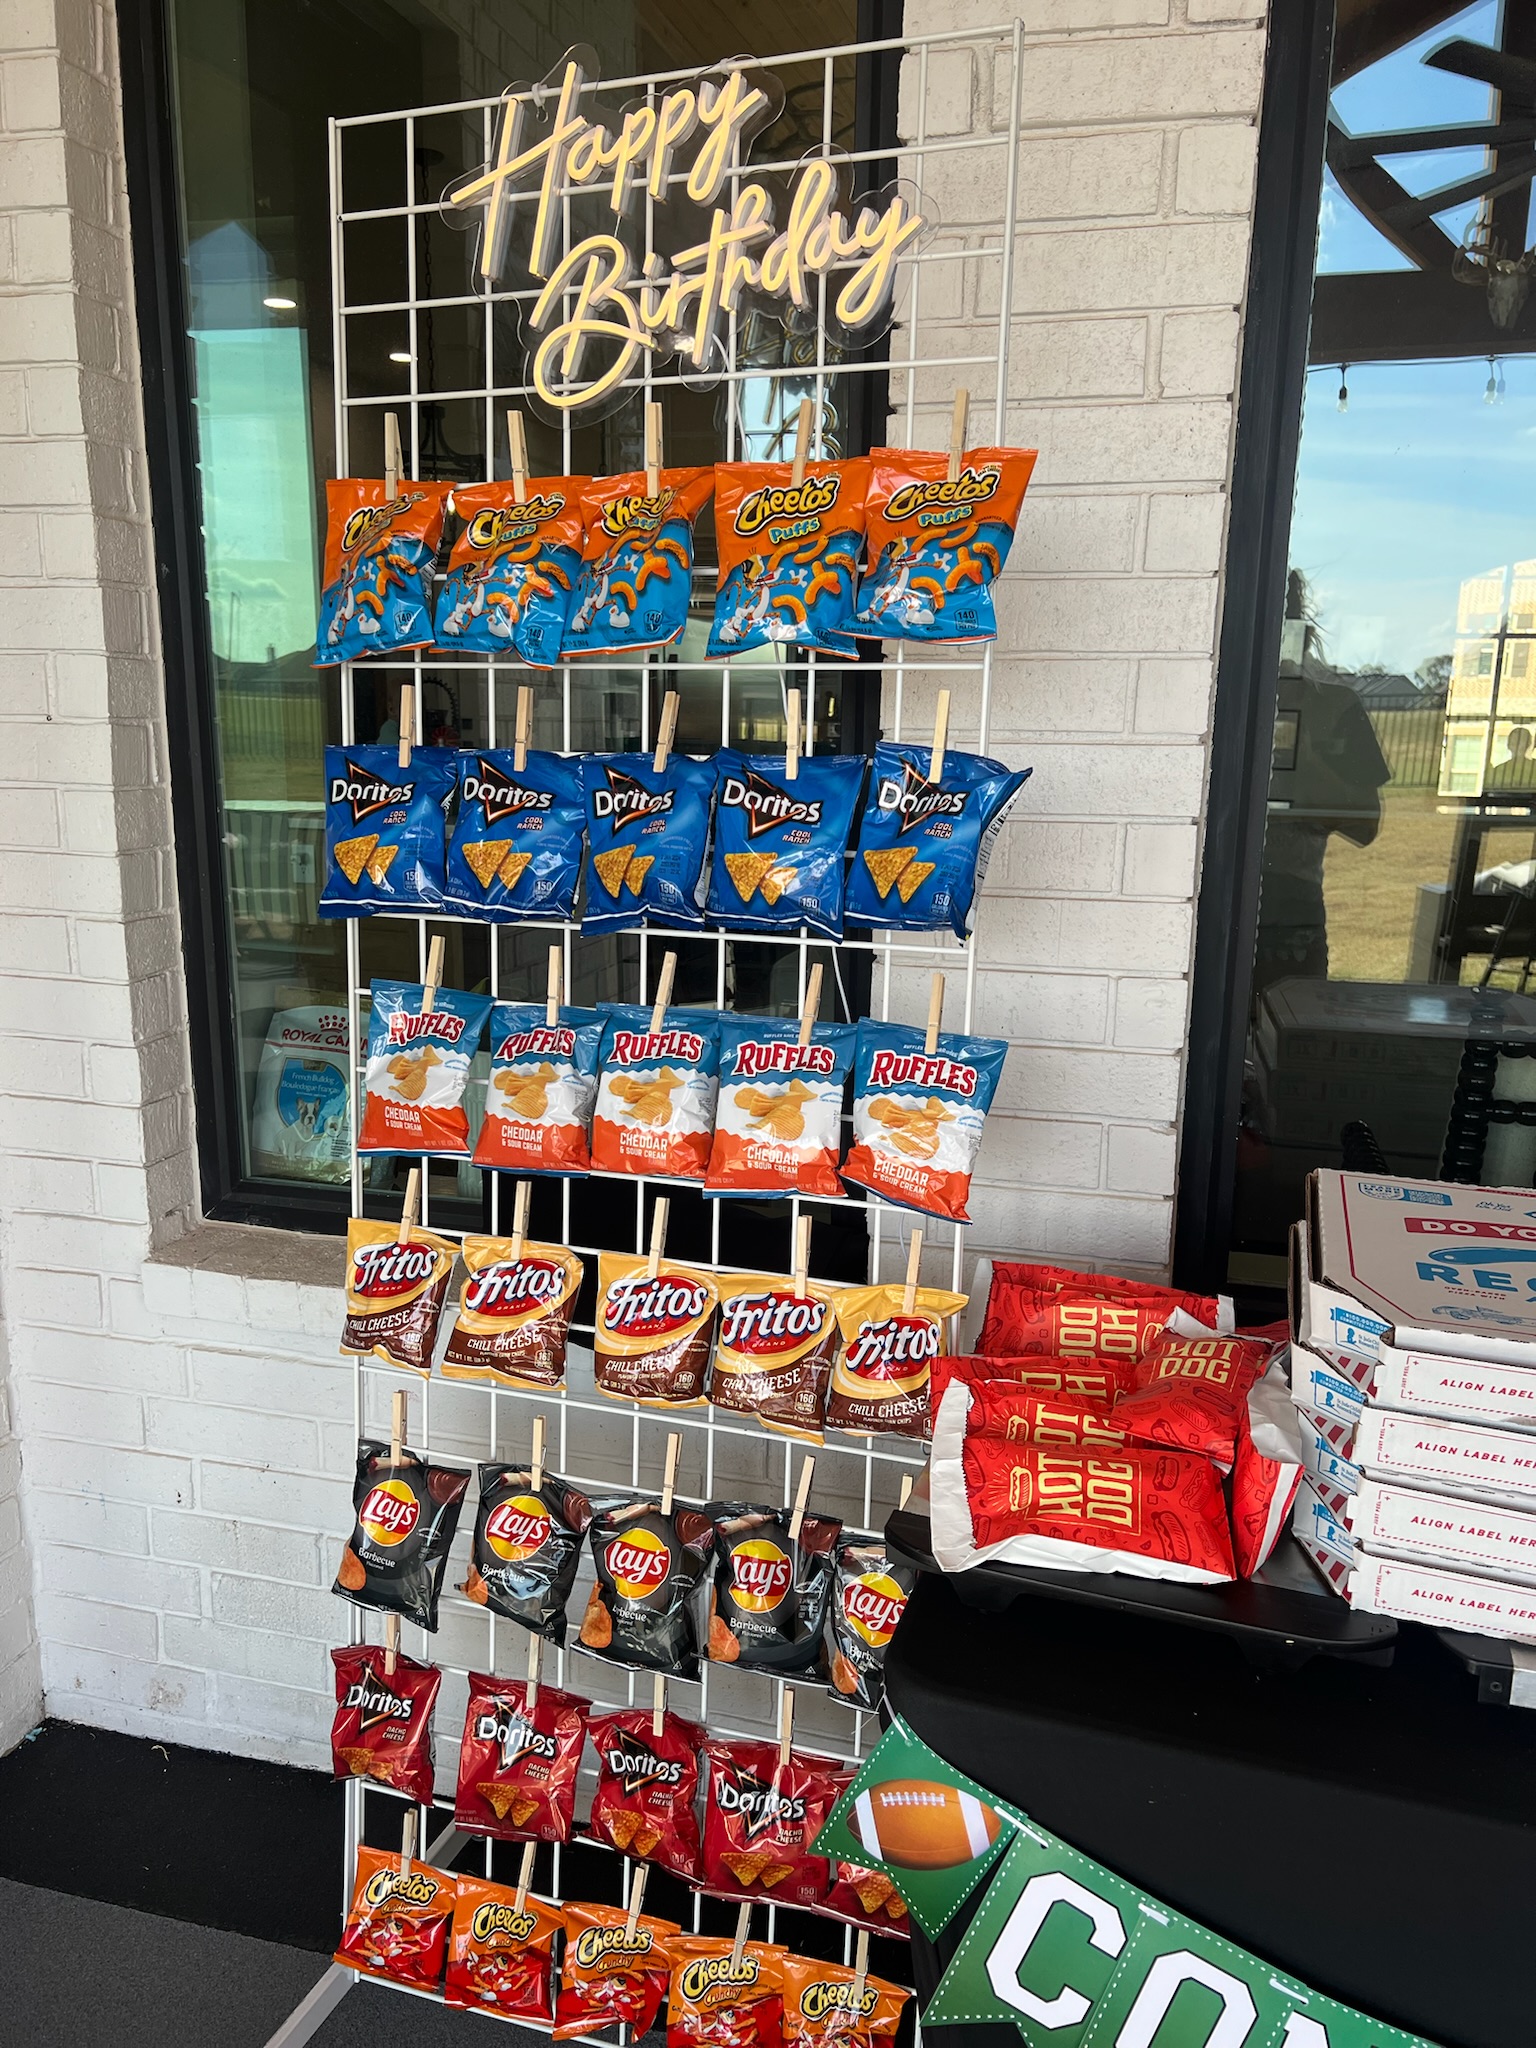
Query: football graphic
[[921, 1824]]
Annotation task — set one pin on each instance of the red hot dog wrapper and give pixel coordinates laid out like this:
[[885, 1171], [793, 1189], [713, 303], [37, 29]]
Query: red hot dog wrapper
[[609, 1976], [652, 1335], [1019, 1416], [1265, 1474], [383, 1724], [514, 1313], [518, 1765], [760, 1819], [501, 1957], [406, 1515], [1029, 1306], [1079, 1381], [715, 2002], [822, 2005], [771, 1590], [773, 1358], [643, 1609], [395, 1293], [1191, 1393], [880, 1376], [647, 1783], [869, 1597], [527, 1547], [398, 1925]]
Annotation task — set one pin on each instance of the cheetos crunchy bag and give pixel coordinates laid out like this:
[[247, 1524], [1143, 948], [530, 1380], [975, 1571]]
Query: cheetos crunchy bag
[[501, 1955], [379, 556], [789, 556], [936, 543], [398, 1923], [512, 571], [918, 1116], [924, 842], [637, 562], [612, 1975]]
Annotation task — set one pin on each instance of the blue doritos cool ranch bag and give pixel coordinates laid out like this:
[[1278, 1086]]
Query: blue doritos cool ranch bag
[[779, 851], [384, 829], [649, 835], [924, 846], [516, 846]]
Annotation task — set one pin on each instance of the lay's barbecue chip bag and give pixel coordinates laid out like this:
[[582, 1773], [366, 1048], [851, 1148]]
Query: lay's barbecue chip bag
[[936, 544], [379, 557], [637, 562], [649, 835], [918, 1116], [418, 1064], [384, 829], [779, 851], [778, 1120], [656, 1092], [789, 556], [512, 571], [517, 839], [924, 846], [538, 1104]]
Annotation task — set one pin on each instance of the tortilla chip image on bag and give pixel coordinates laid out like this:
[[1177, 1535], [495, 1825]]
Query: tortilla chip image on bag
[[869, 1596], [383, 1724], [395, 1293], [652, 1331], [773, 1358], [418, 1066], [501, 1956], [778, 1118], [937, 543], [610, 1976], [380, 553], [823, 2004], [527, 1547], [397, 1926], [518, 1764], [918, 1116], [646, 1786], [518, 837], [514, 1313], [789, 556], [656, 1092], [771, 1589], [637, 562], [880, 1375], [649, 835], [385, 828], [760, 1819], [540, 1096], [924, 846], [406, 1514], [778, 861], [717, 2000], [512, 572], [643, 1611]]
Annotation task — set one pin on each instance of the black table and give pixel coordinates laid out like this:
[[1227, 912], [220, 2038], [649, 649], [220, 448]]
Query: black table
[[1371, 1830]]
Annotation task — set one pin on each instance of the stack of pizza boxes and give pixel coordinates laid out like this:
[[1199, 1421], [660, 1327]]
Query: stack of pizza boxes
[[1413, 1368]]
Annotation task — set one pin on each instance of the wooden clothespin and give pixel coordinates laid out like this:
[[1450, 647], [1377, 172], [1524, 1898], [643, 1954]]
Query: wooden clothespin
[[792, 736], [743, 1921], [664, 983], [811, 1007], [658, 1234], [667, 732], [536, 1463], [397, 1422], [957, 432], [434, 978], [407, 1841], [636, 1899], [802, 1495], [940, 735], [555, 987], [802, 1263], [652, 448], [914, 1267], [658, 1704], [525, 1868], [860, 1969], [410, 1208], [786, 1726], [391, 1644], [802, 443], [906, 1489], [520, 1216], [535, 1661], [393, 460], [518, 445], [669, 1474], [935, 1014], [523, 731], [407, 723]]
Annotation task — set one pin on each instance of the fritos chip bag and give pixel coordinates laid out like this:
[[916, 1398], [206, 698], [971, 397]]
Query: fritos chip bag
[[518, 838], [380, 553], [518, 1765], [820, 2006], [610, 1977], [778, 860], [1191, 1393], [501, 1958], [637, 562], [418, 1065], [1097, 1384], [646, 1787], [778, 1116], [643, 1610], [649, 835], [650, 1339], [1020, 1416], [527, 1547], [385, 829], [880, 1376], [406, 1515], [773, 1357], [918, 1116], [869, 1899], [1266, 1472], [383, 1724], [789, 556], [768, 1604], [512, 571], [514, 1313], [869, 1597], [398, 1924], [656, 1092], [937, 544], [395, 1293], [713, 2002], [760, 1819], [924, 846], [1054, 1313], [538, 1102]]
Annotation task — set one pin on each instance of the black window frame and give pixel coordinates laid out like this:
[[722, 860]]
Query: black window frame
[[145, 63]]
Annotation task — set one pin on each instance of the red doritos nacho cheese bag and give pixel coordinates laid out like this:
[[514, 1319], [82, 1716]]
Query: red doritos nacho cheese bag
[[869, 1899], [518, 1764], [1190, 1394], [379, 556], [880, 1376], [760, 1819], [715, 2001], [937, 543], [398, 1923], [501, 1956], [823, 2007], [646, 1787], [789, 556], [637, 562], [514, 1312], [383, 1724], [609, 1976]]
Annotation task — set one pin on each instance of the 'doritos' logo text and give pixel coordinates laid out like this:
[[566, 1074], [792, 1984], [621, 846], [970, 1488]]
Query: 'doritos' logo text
[[787, 501]]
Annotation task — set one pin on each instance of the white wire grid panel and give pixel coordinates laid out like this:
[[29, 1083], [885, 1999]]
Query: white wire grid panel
[[594, 1441]]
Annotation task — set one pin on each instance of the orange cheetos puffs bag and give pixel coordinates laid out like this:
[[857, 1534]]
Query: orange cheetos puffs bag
[[789, 556], [937, 543]]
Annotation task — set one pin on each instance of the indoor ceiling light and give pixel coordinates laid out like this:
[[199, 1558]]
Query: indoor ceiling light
[[280, 304]]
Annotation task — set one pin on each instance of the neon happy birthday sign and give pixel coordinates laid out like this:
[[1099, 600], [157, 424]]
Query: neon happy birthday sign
[[793, 244]]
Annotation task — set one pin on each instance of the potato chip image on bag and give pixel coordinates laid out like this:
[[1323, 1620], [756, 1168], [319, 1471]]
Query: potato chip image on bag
[[760, 1819], [518, 1764], [656, 1092], [518, 837], [778, 861], [637, 562], [937, 543], [652, 1331], [649, 835], [380, 553], [526, 1548], [923, 846], [542, 1089], [869, 1596], [778, 1118], [385, 828], [771, 1590], [880, 1375], [396, 1288], [789, 556], [418, 1065], [824, 2005], [513, 570], [514, 1313], [918, 1116], [773, 1357]]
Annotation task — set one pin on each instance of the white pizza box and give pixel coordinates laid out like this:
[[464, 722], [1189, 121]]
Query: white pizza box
[[1410, 1591], [1318, 1383], [1330, 1325], [1398, 1521], [1439, 1267], [1474, 1462], [1321, 1532], [1326, 1443]]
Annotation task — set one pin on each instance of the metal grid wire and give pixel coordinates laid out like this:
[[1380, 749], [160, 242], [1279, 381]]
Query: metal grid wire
[[594, 1441]]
